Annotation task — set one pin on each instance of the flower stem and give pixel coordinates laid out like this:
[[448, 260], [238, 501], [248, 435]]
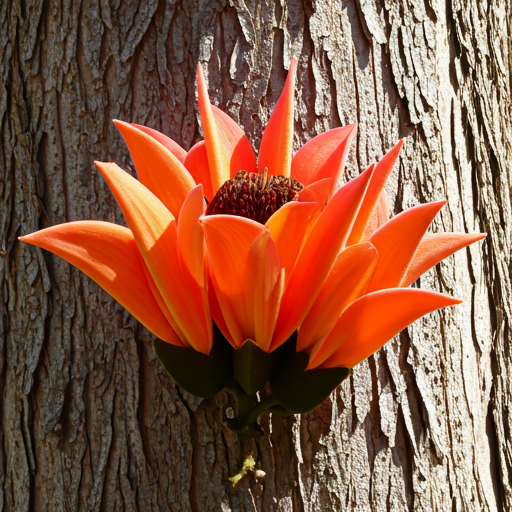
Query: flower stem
[[249, 408]]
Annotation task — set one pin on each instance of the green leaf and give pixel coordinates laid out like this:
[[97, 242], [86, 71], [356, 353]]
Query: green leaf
[[253, 366], [197, 373], [300, 390]]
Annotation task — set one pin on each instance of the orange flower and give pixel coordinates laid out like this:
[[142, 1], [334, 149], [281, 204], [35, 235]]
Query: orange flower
[[276, 251]]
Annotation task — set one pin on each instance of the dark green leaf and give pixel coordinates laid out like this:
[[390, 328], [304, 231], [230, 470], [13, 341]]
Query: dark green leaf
[[301, 391], [253, 366], [197, 373]]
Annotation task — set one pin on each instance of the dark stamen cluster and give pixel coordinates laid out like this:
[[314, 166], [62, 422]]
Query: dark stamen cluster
[[254, 196]]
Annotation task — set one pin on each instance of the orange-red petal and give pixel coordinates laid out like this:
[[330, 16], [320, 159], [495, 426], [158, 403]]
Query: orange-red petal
[[236, 144], [324, 156], [288, 226], [326, 240], [190, 234], [172, 146], [228, 240], [217, 157], [396, 242], [379, 216], [347, 280], [155, 232], [265, 287], [382, 171], [276, 144], [157, 168], [371, 321], [318, 192], [436, 247], [197, 165], [108, 254]]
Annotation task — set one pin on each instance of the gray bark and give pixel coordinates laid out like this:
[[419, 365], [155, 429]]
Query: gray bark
[[88, 419]]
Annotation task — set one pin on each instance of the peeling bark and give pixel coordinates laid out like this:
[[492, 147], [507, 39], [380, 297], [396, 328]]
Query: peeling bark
[[88, 419]]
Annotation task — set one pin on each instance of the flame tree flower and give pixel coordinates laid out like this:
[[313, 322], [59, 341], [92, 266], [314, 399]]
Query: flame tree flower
[[258, 276]]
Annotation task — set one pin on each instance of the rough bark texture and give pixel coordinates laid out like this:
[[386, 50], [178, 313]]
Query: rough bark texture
[[88, 419]]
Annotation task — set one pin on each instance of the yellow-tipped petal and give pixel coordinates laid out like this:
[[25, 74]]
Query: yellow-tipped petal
[[347, 280], [326, 240], [276, 144], [371, 321], [217, 158], [155, 232], [108, 254], [157, 168]]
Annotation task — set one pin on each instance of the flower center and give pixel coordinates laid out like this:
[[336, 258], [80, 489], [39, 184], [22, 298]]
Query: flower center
[[254, 196]]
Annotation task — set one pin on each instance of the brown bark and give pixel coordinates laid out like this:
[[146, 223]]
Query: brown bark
[[88, 419]]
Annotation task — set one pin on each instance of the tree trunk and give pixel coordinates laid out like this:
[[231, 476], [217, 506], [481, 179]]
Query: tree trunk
[[89, 421]]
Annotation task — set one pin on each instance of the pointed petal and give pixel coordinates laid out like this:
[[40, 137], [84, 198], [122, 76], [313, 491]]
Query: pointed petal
[[318, 192], [347, 280], [396, 242], [265, 285], [236, 144], [276, 144], [108, 254], [324, 156], [217, 157], [196, 163], [382, 171], [172, 146], [190, 234], [288, 226], [157, 168], [216, 310], [327, 239], [163, 306], [434, 248], [155, 232], [228, 241], [371, 321], [379, 216]]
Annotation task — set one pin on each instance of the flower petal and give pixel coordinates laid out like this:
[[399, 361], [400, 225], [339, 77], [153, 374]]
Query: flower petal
[[348, 278], [288, 226], [371, 321], [190, 234], [436, 247], [382, 171], [396, 242], [196, 163], [318, 192], [378, 217], [324, 156], [276, 144], [217, 157], [326, 240], [228, 240], [172, 146], [108, 254], [155, 232], [265, 285], [236, 144], [157, 168]]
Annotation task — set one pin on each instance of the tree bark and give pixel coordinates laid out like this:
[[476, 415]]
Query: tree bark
[[89, 421]]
